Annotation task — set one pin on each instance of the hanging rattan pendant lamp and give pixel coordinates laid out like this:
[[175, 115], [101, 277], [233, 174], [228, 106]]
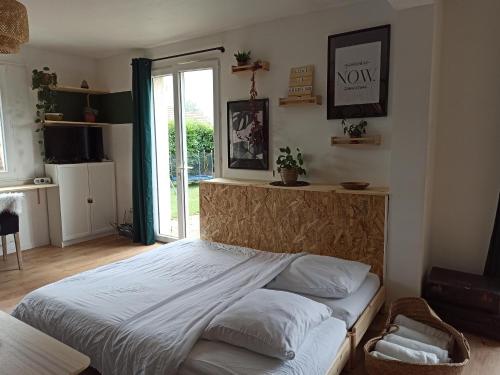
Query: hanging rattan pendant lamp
[[14, 29]]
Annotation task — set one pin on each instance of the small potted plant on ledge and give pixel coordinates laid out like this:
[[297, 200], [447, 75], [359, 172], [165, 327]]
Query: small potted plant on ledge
[[90, 114], [289, 167], [354, 130], [242, 57]]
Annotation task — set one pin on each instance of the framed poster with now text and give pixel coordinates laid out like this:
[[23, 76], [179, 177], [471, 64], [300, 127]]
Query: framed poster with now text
[[358, 73]]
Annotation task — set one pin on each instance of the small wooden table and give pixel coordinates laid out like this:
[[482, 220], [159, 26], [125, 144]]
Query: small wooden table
[[26, 351]]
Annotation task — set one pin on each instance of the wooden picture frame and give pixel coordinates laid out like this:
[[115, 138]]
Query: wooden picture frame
[[358, 73], [248, 143]]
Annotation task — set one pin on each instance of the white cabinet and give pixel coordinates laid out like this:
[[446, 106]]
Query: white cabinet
[[84, 205]]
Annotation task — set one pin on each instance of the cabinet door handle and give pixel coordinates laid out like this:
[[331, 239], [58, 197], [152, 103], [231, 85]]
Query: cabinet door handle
[[90, 200]]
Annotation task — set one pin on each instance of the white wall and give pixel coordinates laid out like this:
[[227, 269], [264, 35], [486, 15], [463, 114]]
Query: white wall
[[400, 162], [118, 145], [115, 74], [413, 44], [286, 45], [467, 170], [433, 125], [24, 160]]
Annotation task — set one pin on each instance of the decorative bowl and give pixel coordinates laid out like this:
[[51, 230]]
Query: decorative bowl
[[355, 185]]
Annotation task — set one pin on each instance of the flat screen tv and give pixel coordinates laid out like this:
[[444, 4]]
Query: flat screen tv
[[70, 144]]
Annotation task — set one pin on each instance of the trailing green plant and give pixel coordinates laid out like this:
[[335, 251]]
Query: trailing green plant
[[41, 80], [287, 161], [242, 56], [354, 130], [40, 131]]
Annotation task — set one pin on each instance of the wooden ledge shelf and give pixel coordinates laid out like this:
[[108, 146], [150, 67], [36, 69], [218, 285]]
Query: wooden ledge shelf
[[258, 65], [373, 140], [78, 90], [27, 187], [300, 100], [371, 190], [74, 123]]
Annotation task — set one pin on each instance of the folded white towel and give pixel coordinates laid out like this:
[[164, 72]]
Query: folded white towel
[[417, 336], [405, 354], [382, 356], [402, 320], [417, 345]]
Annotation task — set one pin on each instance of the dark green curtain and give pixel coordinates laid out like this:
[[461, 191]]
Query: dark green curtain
[[142, 149], [492, 267]]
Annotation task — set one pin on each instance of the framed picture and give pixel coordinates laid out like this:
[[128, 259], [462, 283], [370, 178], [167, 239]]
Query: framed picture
[[358, 73], [248, 134]]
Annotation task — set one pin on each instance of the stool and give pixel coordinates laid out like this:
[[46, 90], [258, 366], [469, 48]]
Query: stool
[[9, 224]]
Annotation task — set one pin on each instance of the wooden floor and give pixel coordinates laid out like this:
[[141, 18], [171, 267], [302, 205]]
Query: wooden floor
[[45, 265]]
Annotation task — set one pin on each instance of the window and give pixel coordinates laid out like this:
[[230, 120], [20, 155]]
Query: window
[[3, 159], [186, 126]]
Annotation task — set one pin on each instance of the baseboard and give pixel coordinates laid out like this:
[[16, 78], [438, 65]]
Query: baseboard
[[87, 238]]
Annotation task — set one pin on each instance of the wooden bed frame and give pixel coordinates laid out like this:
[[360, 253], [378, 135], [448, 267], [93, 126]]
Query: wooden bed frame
[[320, 219]]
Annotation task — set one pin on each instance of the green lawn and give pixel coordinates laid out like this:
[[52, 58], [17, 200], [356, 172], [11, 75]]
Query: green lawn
[[193, 198]]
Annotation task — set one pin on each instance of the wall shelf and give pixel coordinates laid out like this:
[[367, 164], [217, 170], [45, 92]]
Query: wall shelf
[[258, 65], [74, 123], [78, 90], [28, 187], [300, 100], [369, 140]]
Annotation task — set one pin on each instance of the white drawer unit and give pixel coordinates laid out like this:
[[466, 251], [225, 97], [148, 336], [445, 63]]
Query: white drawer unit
[[84, 205]]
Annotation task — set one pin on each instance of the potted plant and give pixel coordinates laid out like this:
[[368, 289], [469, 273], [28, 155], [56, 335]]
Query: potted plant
[[289, 167], [41, 80], [354, 130], [90, 114], [242, 57]]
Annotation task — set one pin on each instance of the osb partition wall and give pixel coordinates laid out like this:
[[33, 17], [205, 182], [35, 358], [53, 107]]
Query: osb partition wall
[[345, 225]]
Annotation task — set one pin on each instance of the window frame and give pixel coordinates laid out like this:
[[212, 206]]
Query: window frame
[[176, 69], [3, 134]]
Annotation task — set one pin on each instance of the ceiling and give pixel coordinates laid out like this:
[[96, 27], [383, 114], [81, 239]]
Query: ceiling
[[101, 28]]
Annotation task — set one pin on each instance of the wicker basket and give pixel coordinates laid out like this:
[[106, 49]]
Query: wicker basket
[[418, 309]]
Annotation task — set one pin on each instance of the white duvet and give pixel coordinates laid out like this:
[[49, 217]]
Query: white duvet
[[143, 315]]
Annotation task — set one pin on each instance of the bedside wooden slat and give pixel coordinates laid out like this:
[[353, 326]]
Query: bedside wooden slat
[[25, 350], [78, 90]]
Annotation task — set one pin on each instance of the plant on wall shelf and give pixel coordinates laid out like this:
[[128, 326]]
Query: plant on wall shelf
[[242, 57], [90, 114], [41, 80], [354, 130], [289, 167]]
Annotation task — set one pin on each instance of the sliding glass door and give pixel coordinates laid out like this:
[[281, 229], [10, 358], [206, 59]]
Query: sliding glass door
[[186, 133]]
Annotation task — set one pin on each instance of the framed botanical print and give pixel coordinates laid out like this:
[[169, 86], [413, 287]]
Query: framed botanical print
[[248, 134], [358, 73]]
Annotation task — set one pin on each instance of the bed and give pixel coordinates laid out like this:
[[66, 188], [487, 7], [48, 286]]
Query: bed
[[146, 314], [127, 315]]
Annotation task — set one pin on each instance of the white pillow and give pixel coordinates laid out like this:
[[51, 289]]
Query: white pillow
[[350, 308], [321, 276], [268, 322]]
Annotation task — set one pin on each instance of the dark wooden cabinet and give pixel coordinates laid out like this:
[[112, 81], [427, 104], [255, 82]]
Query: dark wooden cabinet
[[469, 302]]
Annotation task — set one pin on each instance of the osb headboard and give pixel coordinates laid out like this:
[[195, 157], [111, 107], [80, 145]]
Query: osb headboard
[[321, 220]]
